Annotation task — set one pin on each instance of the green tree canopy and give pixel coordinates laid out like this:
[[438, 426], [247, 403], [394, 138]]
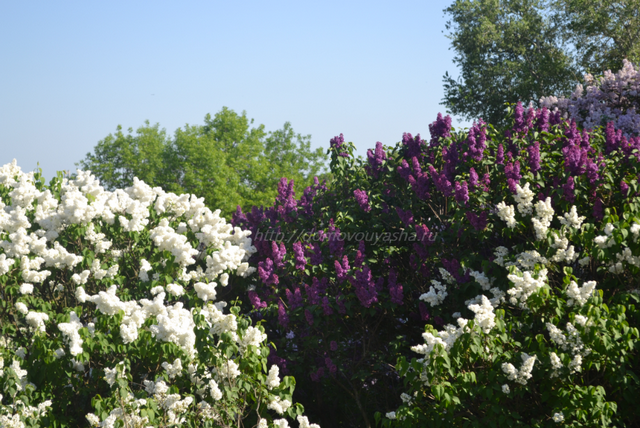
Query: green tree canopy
[[119, 157], [522, 50], [227, 160], [604, 32]]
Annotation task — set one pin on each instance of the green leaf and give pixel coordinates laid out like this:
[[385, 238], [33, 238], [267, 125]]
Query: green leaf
[[438, 391]]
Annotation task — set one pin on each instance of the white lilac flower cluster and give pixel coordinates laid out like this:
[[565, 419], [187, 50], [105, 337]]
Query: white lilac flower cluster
[[130, 207], [556, 364], [607, 240], [174, 369], [482, 279], [498, 298], [625, 253], [524, 199], [22, 308], [579, 295], [251, 340], [111, 375], [70, 334], [99, 273], [23, 412], [19, 372], [278, 405], [175, 290], [273, 379], [406, 398], [130, 412], [304, 422], [564, 251], [528, 260], [507, 214], [542, 220], [445, 338], [572, 219], [524, 285], [36, 320], [525, 260], [446, 276], [228, 370], [283, 423], [102, 245], [524, 374], [173, 323], [571, 342], [436, 294], [500, 253], [484, 319], [438, 291], [171, 403]]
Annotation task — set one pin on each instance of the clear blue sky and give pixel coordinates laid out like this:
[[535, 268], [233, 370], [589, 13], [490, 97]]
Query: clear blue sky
[[72, 71]]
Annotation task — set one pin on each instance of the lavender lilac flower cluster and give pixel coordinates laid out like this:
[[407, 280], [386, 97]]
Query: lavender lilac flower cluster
[[614, 97]]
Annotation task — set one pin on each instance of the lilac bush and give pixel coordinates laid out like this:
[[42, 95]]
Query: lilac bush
[[110, 311], [414, 234]]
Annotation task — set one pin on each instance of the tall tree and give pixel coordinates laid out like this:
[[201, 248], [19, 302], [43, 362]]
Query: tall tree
[[604, 32], [507, 50], [522, 50], [227, 160]]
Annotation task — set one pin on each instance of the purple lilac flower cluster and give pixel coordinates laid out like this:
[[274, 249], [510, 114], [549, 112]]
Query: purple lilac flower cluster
[[440, 129], [336, 143], [362, 199], [376, 159], [414, 175]]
